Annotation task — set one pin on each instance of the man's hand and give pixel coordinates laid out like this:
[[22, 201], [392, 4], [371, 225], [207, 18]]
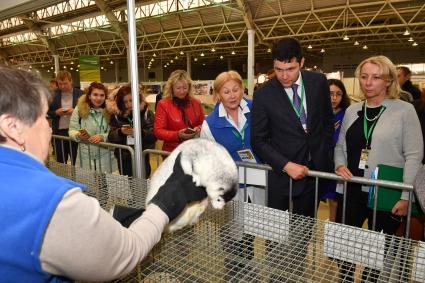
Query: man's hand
[[295, 171]]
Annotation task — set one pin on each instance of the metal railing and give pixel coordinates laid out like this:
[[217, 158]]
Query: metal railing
[[321, 175], [97, 155]]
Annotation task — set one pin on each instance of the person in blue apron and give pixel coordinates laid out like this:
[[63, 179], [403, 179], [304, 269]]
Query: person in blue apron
[[50, 230]]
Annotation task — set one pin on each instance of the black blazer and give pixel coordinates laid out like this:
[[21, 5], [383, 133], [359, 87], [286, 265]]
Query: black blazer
[[278, 137], [57, 103]]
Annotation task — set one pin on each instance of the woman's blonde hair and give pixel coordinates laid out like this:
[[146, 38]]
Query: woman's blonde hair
[[388, 73], [176, 76], [223, 78]]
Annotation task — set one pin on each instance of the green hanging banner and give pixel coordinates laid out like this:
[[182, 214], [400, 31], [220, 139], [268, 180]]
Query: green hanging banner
[[89, 69]]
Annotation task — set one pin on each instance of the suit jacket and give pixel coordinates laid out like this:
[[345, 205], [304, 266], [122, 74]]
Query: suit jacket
[[278, 137], [57, 103]]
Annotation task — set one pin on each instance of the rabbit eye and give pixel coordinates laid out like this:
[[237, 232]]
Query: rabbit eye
[[221, 189]]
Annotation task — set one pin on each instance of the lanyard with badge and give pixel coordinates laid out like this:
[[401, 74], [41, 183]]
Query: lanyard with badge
[[245, 154], [99, 125], [364, 154], [130, 139]]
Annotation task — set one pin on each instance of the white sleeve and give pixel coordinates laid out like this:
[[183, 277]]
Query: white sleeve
[[206, 132], [84, 242]]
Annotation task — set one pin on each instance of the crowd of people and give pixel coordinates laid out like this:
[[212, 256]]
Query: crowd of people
[[297, 121]]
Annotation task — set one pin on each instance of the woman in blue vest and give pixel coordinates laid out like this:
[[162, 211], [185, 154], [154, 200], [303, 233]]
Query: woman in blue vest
[[51, 230], [229, 125]]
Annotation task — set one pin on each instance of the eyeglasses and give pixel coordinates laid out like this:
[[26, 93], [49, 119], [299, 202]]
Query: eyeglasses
[[336, 94]]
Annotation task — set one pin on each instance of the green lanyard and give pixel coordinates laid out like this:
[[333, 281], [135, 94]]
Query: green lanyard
[[300, 109], [130, 121], [368, 132], [240, 136], [97, 123]]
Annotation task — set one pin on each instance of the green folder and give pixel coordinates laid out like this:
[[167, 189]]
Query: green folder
[[387, 197]]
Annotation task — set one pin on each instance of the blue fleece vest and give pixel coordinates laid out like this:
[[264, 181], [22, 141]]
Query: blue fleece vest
[[221, 130], [30, 194]]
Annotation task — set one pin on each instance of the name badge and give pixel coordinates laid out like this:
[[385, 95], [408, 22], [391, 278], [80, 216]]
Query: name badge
[[363, 158], [130, 140], [246, 155]]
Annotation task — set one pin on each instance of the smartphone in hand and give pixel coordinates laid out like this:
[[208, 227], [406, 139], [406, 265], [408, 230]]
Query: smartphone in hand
[[189, 131]]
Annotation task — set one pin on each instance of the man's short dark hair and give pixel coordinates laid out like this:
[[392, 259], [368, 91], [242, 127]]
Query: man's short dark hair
[[406, 71], [286, 49]]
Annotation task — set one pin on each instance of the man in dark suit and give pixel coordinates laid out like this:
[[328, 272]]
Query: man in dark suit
[[292, 134], [60, 111], [291, 130]]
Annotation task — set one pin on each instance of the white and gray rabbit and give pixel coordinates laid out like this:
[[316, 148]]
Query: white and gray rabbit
[[211, 166]]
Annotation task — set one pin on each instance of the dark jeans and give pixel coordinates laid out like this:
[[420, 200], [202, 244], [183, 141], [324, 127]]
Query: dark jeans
[[64, 148]]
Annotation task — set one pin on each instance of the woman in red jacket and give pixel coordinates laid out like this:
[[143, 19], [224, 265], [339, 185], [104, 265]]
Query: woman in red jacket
[[178, 115]]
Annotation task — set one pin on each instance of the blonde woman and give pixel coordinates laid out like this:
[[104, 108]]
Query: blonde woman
[[178, 115], [382, 129]]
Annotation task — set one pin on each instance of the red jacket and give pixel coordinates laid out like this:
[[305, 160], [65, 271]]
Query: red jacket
[[168, 120]]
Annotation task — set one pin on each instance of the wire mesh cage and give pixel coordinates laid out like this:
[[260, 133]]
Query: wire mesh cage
[[252, 243]]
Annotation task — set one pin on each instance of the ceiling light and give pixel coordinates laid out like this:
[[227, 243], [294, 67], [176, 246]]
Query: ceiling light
[[165, 66], [202, 54], [77, 70], [51, 67], [72, 62], [365, 47], [149, 67], [71, 68], [196, 59], [112, 62], [233, 52], [30, 67], [171, 61], [177, 57], [181, 52], [309, 46], [101, 68], [154, 54], [78, 65], [212, 49], [203, 64], [48, 71], [64, 67], [42, 65], [221, 57], [410, 39], [322, 50], [414, 44], [406, 32], [345, 37], [269, 50], [356, 43]]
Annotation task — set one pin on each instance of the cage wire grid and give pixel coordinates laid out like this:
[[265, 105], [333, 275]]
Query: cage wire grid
[[252, 243]]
